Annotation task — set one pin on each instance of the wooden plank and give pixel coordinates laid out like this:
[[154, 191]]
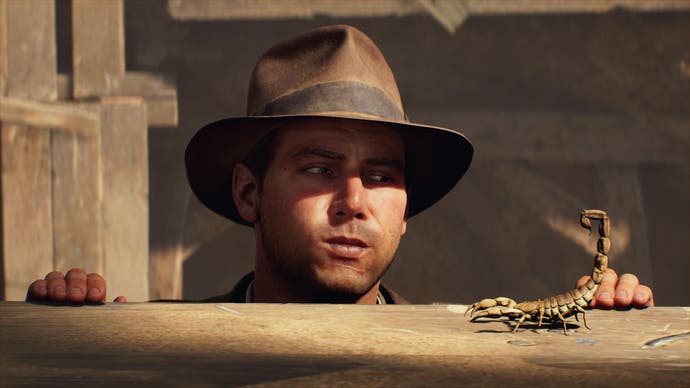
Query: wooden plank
[[51, 116], [270, 9], [160, 95], [3, 46], [124, 155], [509, 7], [563, 137], [326, 345], [77, 225], [141, 83], [27, 32], [27, 44], [279, 9], [26, 207], [98, 48]]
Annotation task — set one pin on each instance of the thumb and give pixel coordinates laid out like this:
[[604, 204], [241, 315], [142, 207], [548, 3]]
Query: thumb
[[120, 299]]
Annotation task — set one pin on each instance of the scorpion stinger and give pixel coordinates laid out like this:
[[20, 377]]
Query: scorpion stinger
[[555, 308]]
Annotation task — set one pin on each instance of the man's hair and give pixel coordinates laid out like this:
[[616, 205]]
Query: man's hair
[[261, 155]]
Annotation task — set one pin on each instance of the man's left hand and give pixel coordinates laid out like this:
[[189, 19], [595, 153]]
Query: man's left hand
[[620, 292]]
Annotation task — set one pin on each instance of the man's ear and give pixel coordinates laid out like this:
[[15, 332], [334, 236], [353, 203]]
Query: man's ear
[[245, 192]]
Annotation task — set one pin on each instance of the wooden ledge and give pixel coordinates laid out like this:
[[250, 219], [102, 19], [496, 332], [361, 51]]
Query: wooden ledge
[[418, 345]]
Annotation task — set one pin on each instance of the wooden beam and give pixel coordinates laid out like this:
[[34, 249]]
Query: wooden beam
[[271, 9], [77, 223], [98, 47], [302, 9], [159, 94], [172, 344], [124, 155], [576, 137], [51, 116], [28, 71], [511, 7]]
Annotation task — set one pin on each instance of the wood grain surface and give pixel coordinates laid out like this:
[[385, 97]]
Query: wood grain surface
[[185, 344]]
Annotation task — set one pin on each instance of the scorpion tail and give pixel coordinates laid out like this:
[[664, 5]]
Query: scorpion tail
[[584, 294]]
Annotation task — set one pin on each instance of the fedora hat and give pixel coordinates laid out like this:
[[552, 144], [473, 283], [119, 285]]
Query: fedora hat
[[329, 73]]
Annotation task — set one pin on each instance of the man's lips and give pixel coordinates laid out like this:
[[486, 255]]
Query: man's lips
[[347, 247]]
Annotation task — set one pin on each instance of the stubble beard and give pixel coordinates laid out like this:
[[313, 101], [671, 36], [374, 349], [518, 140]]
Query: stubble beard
[[296, 270]]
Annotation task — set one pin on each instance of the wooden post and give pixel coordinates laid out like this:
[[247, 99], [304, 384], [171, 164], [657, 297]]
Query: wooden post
[[98, 46], [28, 70], [77, 226], [124, 158]]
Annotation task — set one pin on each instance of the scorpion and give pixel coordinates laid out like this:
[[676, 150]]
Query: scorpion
[[555, 308]]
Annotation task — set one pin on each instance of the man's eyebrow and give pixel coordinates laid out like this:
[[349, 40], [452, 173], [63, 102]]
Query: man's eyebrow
[[307, 152], [389, 162], [322, 153]]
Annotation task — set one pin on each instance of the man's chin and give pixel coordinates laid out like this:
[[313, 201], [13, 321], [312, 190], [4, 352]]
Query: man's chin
[[343, 289]]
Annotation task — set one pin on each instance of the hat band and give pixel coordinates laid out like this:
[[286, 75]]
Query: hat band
[[343, 96]]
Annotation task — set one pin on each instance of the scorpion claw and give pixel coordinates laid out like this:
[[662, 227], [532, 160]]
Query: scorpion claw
[[487, 304], [585, 222]]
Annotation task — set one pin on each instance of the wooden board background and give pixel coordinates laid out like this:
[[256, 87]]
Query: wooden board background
[[327, 345], [27, 30]]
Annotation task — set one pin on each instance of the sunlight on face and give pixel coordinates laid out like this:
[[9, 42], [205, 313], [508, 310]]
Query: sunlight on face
[[332, 208]]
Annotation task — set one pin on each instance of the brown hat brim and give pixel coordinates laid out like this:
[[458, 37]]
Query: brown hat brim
[[436, 158]]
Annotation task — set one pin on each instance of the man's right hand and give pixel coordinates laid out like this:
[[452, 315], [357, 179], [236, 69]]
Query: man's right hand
[[76, 287]]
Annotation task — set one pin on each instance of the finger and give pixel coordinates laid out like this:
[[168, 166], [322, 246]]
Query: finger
[[581, 281], [604, 295], [625, 290], [37, 291], [120, 299], [643, 297], [57, 289], [95, 284], [76, 285]]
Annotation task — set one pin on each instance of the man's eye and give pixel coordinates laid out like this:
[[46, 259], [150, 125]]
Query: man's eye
[[318, 170], [380, 178]]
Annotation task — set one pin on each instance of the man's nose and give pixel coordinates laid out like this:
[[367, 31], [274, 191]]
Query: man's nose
[[349, 200]]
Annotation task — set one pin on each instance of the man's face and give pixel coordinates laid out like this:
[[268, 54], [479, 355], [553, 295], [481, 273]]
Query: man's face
[[332, 207]]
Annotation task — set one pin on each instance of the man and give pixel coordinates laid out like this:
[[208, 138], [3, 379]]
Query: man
[[327, 170]]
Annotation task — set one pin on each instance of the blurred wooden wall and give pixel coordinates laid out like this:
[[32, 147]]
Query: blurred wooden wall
[[74, 147], [569, 105]]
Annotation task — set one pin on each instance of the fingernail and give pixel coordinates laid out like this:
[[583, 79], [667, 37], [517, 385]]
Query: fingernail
[[621, 294], [59, 289], [604, 295], [640, 295], [42, 290], [94, 291]]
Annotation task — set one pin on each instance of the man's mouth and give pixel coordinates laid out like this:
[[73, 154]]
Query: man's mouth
[[347, 247]]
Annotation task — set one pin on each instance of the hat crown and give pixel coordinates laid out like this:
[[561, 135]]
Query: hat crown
[[333, 55]]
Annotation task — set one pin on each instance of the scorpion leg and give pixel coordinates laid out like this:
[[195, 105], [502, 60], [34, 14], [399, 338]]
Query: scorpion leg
[[522, 319], [584, 316], [565, 330], [541, 314], [496, 312]]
